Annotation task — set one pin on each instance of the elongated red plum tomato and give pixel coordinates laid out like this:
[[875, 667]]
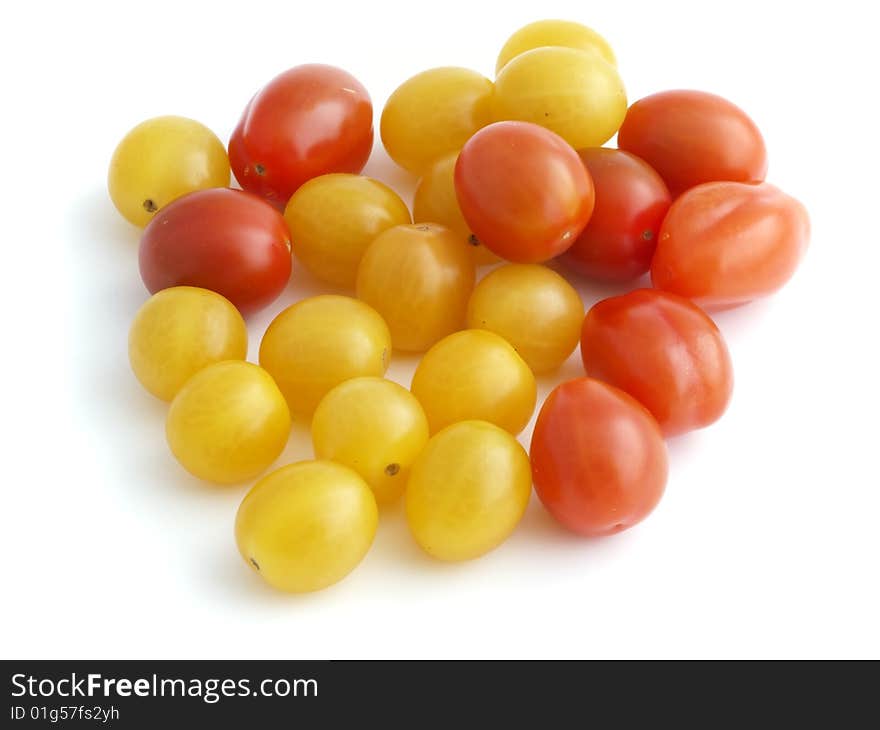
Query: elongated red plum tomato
[[724, 244], [631, 201], [308, 121], [665, 352], [228, 241], [691, 137], [523, 191], [599, 461]]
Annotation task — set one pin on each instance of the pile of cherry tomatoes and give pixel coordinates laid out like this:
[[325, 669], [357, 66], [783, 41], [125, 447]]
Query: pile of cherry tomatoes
[[511, 173]]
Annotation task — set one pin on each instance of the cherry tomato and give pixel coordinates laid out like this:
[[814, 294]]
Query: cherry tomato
[[180, 331], [228, 422], [599, 461], [322, 341], [724, 244], [434, 201], [419, 278], [307, 121], [306, 525], [475, 374], [523, 191], [434, 113], [665, 352], [467, 491], [631, 201], [543, 33], [333, 218], [160, 160], [575, 93], [373, 426], [532, 307], [691, 137], [220, 239]]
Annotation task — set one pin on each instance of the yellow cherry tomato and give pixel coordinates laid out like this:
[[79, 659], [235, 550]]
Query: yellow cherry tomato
[[543, 33], [160, 160], [228, 423], [179, 331], [467, 491], [373, 426], [307, 525], [320, 342], [577, 94], [333, 218], [475, 374], [435, 202], [419, 278], [434, 113], [533, 308]]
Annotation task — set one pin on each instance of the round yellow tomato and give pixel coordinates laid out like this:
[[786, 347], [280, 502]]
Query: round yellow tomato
[[321, 341], [179, 331], [307, 525], [333, 218], [373, 426], [419, 278], [475, 374], [467, 491], [435, 202], [533, 308], [577, 94], [228, 423], [160, 160], [434, 113], [543, 33]]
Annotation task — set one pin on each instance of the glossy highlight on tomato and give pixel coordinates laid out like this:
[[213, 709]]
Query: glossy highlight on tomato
[[599, 461], [309, 120], [665, 352], [631, 202], [691, 137], [724, 244], [523, 191], [224, 240]]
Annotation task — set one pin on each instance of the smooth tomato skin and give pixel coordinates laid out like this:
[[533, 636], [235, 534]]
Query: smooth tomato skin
[[228, 241], [665, 352], [724, 244], [631, 202], [523, 191], [599, 462], [692, 137], [309, 120]]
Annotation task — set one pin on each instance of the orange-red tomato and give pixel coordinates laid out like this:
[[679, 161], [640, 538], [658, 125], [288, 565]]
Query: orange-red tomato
[[599, 461], [523, 191], [308, 121], [224, 240], [665, 352], [691, 137], [631, 201], [724, 244]]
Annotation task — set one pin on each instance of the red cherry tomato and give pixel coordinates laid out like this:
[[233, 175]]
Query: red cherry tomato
[[307, 121], [665, 352], [691, 137], [523, 191], [598, 458], [724, 244], [225, 240], [631, 201]]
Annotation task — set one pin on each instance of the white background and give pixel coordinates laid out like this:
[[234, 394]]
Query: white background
[[767, 541]]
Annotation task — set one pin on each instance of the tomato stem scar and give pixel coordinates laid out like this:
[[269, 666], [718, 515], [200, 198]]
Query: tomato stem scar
[[392, 469], [150, 206]]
